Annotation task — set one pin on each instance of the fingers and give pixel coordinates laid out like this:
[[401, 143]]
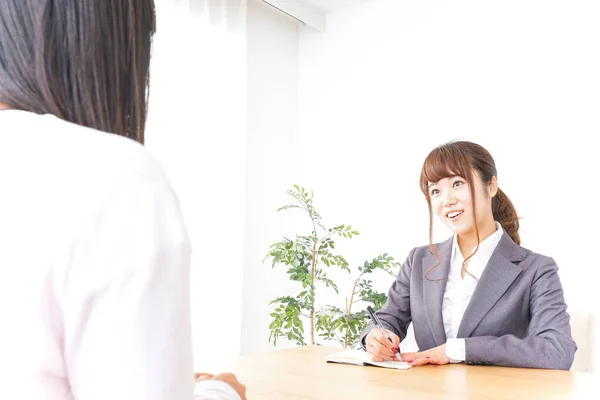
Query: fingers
[[420, 361], [436, 355], [377, 349], [395, 340], [232, 381], [374, 354], [383, 340], [201, 376], [408, 357], [416, 359], [422, 358]]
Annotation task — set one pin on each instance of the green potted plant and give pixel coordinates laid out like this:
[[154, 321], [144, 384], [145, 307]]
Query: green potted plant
[[307, 258]]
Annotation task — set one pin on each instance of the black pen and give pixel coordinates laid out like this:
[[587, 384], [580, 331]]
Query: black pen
[[378, 324]]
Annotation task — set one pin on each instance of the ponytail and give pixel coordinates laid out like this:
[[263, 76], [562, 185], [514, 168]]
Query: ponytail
[[504, 212]]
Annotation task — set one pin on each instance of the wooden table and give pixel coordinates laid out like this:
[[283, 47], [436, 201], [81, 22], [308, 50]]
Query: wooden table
[[302, 374]]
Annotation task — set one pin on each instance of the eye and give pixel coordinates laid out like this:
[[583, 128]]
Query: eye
[[434, 192], [458, 183]]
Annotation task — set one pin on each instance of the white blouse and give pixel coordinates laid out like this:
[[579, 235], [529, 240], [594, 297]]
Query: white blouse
[[459, 291], [94, 267]]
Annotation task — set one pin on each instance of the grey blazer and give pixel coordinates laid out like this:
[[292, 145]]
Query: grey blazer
[[517, 316]]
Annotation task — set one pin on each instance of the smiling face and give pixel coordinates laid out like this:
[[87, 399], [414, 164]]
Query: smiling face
[[458, 180], [452, 201]]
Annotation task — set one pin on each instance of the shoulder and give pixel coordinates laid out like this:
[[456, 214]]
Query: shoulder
[[75, 174], [532, 264], [417, 254], [537, 264], [106, 153], [426, 250], [522, 256], [68, 150]]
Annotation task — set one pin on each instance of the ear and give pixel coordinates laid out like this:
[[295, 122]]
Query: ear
[[493, 187]]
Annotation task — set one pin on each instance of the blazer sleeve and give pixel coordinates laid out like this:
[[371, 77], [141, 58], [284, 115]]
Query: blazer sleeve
[[395, 314], [548, 343]]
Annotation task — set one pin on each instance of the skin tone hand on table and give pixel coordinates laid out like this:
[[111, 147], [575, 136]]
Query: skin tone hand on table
[[379, 347], [436, 356], [227, 377]]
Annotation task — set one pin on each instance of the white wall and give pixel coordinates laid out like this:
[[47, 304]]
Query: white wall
[[352, 113], [391, 79], [272, 96], [197, 129]]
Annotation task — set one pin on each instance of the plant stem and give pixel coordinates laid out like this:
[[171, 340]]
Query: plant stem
[[337, 337], [312, 309], [348, 309]]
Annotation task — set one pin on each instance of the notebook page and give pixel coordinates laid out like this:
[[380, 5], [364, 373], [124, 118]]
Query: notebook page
[[361, 357], [390, 364], [345, 357]]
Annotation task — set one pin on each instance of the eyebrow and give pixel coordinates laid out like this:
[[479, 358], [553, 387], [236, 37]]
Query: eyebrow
[[431, 184]]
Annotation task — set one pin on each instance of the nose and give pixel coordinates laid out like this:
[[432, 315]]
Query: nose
[[449, 199]]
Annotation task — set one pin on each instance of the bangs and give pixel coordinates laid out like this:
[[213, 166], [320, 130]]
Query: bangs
[[443, 162]]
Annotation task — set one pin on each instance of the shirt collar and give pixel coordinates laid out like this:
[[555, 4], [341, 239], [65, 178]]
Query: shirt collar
[[480, 259]]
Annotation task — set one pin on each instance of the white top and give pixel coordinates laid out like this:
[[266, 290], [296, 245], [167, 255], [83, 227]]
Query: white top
[[94, 267], [459, 291]]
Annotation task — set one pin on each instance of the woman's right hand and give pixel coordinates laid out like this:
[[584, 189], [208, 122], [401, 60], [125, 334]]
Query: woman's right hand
[[229, 379], [379, 347]]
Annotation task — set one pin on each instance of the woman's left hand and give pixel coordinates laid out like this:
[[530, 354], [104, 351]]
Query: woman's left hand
[[202, 376], [437, 356]]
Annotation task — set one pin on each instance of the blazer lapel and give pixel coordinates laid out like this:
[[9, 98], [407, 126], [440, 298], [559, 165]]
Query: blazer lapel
[[497, 277], [434, 287]]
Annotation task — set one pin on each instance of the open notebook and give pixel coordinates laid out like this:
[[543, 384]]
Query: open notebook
[[359, 357]]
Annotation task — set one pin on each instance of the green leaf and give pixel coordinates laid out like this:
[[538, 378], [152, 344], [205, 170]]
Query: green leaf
[[331, 323], [288, 207]]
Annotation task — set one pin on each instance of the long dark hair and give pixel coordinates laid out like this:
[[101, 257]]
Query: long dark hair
[[85, 61], [462, 158]]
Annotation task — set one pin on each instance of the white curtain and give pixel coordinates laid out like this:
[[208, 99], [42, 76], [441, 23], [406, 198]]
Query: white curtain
[[228, 14], [197, 130]]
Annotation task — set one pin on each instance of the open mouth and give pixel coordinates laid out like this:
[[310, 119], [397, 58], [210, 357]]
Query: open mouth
[[452, 215]]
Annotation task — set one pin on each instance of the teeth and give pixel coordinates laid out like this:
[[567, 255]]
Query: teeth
[[454, 214]]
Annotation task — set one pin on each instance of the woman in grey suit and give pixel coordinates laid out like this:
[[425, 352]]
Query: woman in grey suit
[[478, 297]]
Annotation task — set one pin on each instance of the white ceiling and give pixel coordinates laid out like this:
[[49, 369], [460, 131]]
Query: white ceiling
[[312, 12], [327, 6]]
